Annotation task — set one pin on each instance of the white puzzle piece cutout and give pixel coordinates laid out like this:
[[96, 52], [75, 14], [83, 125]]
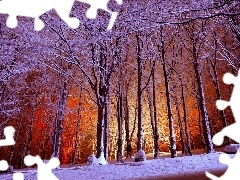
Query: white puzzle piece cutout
[[232, 173], [3, 165], [9, 134], [8, 141], [18, 176], [44, 170], [101, 4], [36, 8], [232, 131]]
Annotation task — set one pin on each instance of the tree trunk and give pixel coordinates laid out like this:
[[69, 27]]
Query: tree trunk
[[103, 108], [129, 144], [169, 106], [106, 123], [20, 125], [182, 136], [119, 119], [217, 87], [127, 129], [30, 127], [40, 147], [77, 130], [150, 110], [120, 114], [156, 134], [189, 149], [100, 131], [170, 115], [62, 98], [202, 139], [139, 93], [26, 146], [204, 113]]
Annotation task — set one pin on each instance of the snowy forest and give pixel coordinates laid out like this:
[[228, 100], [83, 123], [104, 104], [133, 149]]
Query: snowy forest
[[151, 83]]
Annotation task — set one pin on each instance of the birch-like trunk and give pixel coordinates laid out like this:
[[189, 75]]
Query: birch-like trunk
[[202, 103], [100, 130], [170, 115], [102, 125], [169, 105]]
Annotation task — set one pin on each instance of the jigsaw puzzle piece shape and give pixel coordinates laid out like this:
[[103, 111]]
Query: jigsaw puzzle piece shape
[[100, 4], [28, 8], [44, 170], [63, 8], [95, 5], [231, 131], [222, 104], [18, 176], [224, 159], [36, 8], [232, 172], [234, 101], [3, 165], [229, 78], [9, 134]]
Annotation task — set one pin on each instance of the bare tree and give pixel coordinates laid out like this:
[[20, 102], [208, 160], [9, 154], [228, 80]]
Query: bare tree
[[162, 50], [196, 35]]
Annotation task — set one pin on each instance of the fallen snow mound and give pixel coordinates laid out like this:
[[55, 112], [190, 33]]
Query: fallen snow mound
[[92, 160], [232, 148], [102, 160], [157, 169], [140, 156]]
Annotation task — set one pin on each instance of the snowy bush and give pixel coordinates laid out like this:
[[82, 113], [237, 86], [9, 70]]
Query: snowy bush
[[140, 156], [92, 160], [232, 148]]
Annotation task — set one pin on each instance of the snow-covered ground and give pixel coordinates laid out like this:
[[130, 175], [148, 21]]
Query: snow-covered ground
[[164, 168]]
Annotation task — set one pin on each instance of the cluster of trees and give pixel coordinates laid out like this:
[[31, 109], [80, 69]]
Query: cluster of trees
[[149, 84]]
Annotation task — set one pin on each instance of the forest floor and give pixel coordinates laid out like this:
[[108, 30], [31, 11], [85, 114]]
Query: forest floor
[[165, 168]]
